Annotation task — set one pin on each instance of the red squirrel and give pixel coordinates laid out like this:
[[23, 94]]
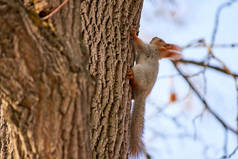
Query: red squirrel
[[142, 78]]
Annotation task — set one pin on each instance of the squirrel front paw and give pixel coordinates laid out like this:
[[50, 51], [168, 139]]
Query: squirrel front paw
[[133, 31], [130, 74]]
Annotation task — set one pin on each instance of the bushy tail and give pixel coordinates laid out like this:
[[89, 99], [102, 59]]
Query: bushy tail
[[137, 125]]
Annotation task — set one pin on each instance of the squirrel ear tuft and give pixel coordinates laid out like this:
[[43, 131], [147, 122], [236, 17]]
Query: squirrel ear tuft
[[157, 41]]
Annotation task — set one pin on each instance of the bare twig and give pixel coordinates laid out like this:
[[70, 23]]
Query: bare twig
[[55, 11], [218, 12], [199, 45], [233, 152], [225, 142], [194, 123], [203, 64], [147, 155], [230, 155], [217, 18], [225, 125]]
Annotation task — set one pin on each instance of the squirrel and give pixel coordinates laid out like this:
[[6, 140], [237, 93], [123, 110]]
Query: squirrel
[[142, 77]]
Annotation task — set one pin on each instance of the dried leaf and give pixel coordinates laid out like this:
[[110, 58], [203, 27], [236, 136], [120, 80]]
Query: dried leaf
[[173, 97]]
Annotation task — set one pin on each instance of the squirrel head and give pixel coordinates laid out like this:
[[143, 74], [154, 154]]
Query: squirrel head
[[169, 51]]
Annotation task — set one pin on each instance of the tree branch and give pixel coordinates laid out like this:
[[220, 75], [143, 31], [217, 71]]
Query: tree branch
[[217, 18], [203, 64], [204, 101]]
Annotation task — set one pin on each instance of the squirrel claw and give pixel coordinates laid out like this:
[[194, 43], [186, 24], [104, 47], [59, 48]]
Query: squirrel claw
[[130, 74], [133, 31]]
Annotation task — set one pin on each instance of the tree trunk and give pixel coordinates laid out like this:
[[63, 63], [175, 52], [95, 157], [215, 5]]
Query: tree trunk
[[63, 86]]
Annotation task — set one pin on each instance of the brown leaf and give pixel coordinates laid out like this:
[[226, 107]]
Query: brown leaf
[[173, 97]]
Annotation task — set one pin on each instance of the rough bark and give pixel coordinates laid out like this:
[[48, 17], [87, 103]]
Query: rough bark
[[63, 86]]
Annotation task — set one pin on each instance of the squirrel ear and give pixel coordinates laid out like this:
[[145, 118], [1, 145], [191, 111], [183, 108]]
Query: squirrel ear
[[157, 41]]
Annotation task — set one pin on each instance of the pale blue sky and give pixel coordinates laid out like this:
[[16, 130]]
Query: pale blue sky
[[194, 20]]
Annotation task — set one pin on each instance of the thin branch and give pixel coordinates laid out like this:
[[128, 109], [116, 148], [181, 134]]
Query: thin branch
[[203, 64], [230, 155], [236, 86], [194, 123], [147, 155], [233, 152], [205, 102], [55, 11], [199, 45], [225, 142], [217, 18]]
